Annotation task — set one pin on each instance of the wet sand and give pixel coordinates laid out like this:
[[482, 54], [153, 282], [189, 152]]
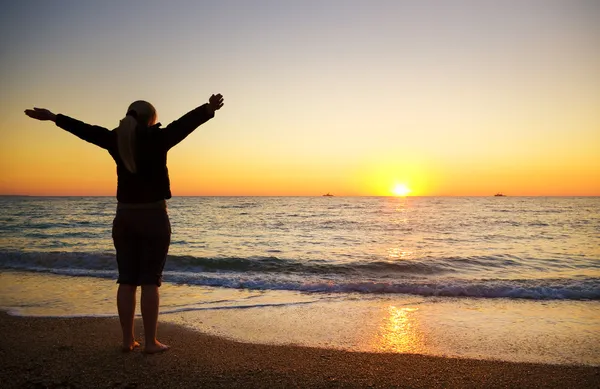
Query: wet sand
[[85, 353]]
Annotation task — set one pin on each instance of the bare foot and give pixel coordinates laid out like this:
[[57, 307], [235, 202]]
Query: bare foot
[[155, 347], [130, 347]]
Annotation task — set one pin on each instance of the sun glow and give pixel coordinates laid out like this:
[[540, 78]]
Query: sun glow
[[401, 190]]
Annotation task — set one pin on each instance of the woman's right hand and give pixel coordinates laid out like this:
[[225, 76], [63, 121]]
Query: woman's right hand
[[40, 114], [215, 102]]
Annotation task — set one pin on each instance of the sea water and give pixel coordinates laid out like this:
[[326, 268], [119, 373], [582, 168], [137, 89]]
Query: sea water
[[513, 278]]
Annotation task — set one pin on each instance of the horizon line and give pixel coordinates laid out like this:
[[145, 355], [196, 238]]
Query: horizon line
[[392, 196]]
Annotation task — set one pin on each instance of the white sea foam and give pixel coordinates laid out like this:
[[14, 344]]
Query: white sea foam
[[270, 273]]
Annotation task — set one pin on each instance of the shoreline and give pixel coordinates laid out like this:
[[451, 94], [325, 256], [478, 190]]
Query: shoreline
[[85, 353], [548, 332]]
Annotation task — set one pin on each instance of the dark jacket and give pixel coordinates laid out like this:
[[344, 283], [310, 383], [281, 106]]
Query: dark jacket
[[151, 181]]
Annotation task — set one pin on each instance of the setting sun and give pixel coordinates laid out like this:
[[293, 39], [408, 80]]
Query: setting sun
[[401, 190]]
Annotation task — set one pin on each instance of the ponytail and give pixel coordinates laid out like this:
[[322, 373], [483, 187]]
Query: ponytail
[[139, 112], [126, 142]]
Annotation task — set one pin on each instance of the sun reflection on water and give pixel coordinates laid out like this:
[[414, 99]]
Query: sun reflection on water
[[400, 332], [398, 253]]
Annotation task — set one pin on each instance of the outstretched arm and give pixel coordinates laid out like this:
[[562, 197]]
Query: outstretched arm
[[182, 127], [97, 135]]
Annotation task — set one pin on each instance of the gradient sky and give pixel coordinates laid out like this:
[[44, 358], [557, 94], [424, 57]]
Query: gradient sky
[[348, 97]]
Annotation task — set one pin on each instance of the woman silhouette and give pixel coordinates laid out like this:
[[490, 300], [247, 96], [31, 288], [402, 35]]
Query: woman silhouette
[[141, 229]]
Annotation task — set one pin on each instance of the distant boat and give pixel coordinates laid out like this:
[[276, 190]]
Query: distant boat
[[500, 195], [328, 195]]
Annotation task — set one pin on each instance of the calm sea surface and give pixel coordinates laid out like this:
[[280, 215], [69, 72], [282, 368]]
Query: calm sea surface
[[512, 247]]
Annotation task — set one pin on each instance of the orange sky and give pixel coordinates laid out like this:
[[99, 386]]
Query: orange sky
[[459, 98]]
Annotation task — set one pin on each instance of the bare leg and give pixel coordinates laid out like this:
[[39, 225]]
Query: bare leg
[[126, 308], [150, 303]]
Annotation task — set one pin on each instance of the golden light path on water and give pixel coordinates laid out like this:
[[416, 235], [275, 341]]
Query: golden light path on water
[[400, 332]]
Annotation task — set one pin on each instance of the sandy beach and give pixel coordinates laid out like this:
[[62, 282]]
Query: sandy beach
[[85, 353]]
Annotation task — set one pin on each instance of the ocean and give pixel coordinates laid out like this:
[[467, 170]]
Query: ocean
[[512, 278]]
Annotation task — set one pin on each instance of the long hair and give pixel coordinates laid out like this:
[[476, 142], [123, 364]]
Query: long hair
[[139, 113]]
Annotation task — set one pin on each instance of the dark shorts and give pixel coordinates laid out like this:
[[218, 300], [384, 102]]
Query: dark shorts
[[141, 238]]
